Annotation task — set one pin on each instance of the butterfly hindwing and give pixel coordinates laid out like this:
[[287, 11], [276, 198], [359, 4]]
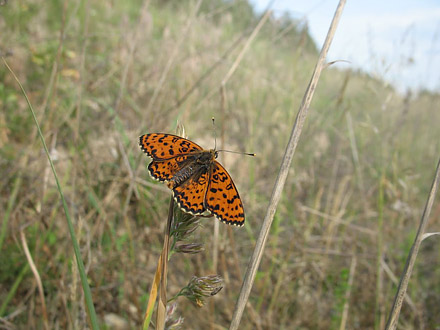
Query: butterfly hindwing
[[191, 195], [222, 198], [161, 146], [164, 170]]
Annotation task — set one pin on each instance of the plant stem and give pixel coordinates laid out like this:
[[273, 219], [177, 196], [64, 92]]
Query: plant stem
[[404, 280], [82, 272], [282, 175], [162, 303]]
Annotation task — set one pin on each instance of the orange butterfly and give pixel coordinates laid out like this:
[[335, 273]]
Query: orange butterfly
[[199, 182]]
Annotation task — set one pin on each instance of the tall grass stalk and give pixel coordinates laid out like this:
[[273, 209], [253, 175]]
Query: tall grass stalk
[[153, 295], [356, 161], [82, 273], [380, 315], [351, 275], [404, 280], [162, 303], [37, 278], [282, 175]]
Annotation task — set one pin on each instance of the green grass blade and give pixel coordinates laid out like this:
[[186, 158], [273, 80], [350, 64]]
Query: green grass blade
[[85, 284]]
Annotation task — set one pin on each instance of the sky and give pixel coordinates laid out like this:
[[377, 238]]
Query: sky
[[395, 40]]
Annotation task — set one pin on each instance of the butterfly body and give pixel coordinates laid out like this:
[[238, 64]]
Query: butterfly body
[[197, 164], [198, 181]]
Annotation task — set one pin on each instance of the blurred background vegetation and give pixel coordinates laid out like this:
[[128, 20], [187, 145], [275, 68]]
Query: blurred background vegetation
[[100, 74]]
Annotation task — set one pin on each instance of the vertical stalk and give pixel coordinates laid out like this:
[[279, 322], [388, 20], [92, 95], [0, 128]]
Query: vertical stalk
[[404, 280], [162, 303], [379, 312], [282, 175]]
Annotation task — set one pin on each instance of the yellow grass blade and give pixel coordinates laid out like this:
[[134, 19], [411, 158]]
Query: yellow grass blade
[[153, 294]]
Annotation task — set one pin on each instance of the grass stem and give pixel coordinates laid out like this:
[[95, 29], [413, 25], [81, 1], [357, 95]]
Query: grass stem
[[162, 303], [404, 280], [82, 273], [282, 175]]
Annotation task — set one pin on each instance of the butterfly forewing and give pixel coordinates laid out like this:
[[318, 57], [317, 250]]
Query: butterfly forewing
[[222, 198], [161, 146]]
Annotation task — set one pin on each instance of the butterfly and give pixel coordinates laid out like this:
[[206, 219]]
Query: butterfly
[[198, 181]]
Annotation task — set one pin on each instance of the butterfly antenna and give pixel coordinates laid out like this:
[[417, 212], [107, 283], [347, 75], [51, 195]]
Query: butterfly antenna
[[233, 152], [238, 152], [215, 133]]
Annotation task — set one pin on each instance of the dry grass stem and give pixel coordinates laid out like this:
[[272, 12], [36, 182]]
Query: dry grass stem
[[37, 278], [282, 175], [355, 154], [339, 221], [162, 303], [348, 294], [425, 236], [153, 294], [395, 281], [245, 48], [404, 279]]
